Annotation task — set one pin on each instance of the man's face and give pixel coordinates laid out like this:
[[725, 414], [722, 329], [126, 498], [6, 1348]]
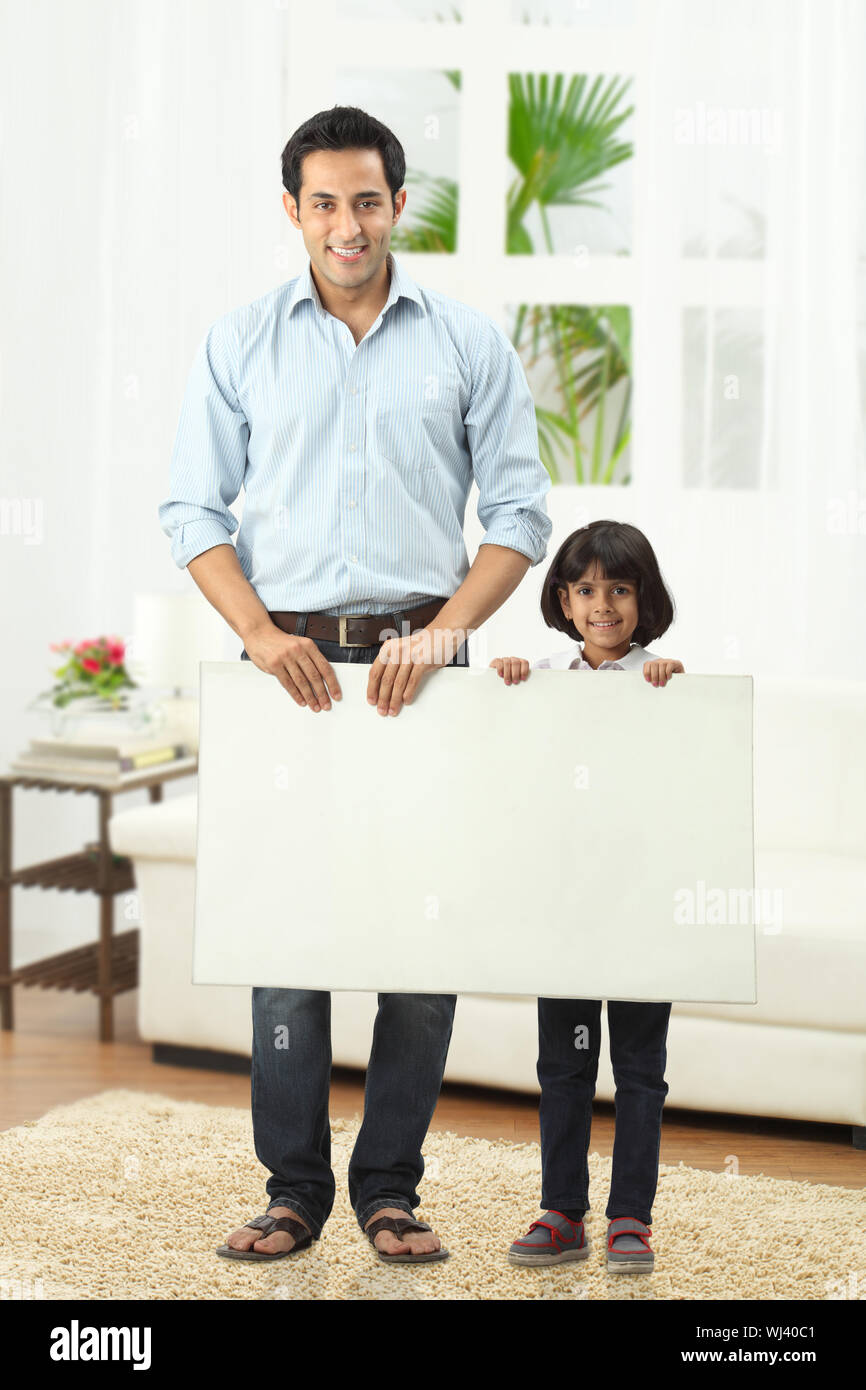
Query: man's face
[[345, 202]]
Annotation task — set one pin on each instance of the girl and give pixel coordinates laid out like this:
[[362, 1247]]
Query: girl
[[603, 588]]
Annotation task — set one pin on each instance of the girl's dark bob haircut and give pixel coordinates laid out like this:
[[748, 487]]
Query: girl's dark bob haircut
[[618, 551]]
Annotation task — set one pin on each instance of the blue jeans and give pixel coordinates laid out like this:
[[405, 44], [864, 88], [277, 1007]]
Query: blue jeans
[[290, 1086], [569, 1039]]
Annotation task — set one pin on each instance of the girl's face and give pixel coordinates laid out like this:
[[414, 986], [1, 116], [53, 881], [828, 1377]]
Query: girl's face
[[604, 611]]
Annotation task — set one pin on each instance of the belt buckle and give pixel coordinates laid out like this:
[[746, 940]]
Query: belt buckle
[[342, 620]]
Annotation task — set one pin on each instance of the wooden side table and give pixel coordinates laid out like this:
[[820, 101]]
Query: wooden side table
[[105, 967]]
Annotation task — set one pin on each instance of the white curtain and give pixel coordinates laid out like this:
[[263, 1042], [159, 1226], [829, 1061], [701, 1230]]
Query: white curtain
[[780, 566], [139, 199], [816, 307], [140, 193]]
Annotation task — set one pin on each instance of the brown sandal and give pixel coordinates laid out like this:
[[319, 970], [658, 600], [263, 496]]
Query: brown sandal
[[267, 1225], [400, 1225]]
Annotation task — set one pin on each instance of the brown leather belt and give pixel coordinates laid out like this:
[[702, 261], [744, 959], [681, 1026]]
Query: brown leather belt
[[357, 629]]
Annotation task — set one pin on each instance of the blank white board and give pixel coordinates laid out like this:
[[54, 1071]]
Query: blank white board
[[578, 835]]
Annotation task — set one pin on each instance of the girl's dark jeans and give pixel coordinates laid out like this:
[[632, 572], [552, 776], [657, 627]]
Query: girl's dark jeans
[[290, 1085], [569, 1039]]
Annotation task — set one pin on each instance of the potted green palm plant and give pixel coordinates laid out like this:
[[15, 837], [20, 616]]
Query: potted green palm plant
[[562, 138]]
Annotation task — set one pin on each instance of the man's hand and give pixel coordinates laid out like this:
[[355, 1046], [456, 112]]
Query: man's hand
[[660, 672], [297, 663], [403, 662], [513, 669]]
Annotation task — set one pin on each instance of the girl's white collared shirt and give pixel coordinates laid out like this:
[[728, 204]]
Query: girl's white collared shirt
[[572, 660]]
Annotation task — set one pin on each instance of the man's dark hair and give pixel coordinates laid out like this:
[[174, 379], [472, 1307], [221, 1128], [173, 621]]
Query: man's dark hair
[[343, 128], [621, 552]]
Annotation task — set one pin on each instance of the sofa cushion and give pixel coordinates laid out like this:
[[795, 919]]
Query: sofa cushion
[[165, 830], [809, 737], [812, 963]]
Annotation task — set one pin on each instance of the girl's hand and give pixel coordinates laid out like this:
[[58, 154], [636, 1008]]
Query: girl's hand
[[513, 669], [660, 672]]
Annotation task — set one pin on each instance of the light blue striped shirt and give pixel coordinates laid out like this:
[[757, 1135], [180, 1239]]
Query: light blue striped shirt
[[356, 460]]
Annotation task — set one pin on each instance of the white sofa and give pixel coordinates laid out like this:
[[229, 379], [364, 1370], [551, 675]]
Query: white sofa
[[800, 1052]]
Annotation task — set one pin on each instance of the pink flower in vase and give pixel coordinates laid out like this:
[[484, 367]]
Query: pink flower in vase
[[90, 665]]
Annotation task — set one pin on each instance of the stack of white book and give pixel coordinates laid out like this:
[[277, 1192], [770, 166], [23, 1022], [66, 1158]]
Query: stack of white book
[[104, 756]]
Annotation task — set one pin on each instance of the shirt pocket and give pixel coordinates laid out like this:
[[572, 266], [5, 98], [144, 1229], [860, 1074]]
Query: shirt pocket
[[414, 434]]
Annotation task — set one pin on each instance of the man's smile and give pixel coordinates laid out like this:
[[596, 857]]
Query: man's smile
[[347, 253]]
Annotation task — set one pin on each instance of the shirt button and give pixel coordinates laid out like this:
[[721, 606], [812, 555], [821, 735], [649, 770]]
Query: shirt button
[[352, 448], [352, 502], [354, 559], [354, 390]]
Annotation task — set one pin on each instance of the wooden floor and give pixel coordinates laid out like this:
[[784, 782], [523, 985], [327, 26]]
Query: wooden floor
[[52, 1058]]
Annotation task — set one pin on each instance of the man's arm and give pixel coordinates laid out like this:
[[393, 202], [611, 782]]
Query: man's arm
[[218, 574], [297, 663], [207, 473], [209, 455], [495, 573], [502, 435], [402, 661]]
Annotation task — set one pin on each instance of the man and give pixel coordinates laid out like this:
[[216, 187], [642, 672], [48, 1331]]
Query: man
[[354, 408]]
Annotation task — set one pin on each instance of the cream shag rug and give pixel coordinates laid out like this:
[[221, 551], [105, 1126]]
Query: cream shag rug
[[126, 1194]]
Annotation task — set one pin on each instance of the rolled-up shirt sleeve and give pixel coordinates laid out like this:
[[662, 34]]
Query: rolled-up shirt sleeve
[[502, 435], [209, 455]]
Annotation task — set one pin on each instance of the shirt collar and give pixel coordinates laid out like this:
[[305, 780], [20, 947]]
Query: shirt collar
[[402, 284], [568, 660], [635, 656]]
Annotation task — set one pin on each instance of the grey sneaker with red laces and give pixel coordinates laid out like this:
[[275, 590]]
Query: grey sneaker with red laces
[[628, 1247], [551, 1240]]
